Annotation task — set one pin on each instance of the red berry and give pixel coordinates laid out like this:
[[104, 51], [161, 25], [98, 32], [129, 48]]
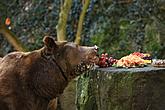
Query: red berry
[[110, 58], [101, 58], [106, 54], [106, 59], [103, 55]]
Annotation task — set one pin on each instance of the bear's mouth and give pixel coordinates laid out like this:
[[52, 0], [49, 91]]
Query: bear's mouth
[[86, 65], [88, 61], [82, 67]]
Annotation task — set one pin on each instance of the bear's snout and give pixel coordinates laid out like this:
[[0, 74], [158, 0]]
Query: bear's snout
[[90, 53]]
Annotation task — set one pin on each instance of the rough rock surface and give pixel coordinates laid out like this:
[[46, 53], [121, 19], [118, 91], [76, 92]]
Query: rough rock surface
[[122, 89]]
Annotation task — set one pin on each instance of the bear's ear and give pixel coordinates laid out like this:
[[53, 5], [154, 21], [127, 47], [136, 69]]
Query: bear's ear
[[49, 42]]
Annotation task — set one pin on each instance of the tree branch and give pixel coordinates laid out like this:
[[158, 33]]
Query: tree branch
[[81, 20], [11, 38], [63, 16]]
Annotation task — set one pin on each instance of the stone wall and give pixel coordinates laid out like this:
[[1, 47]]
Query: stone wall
[[122, 89]]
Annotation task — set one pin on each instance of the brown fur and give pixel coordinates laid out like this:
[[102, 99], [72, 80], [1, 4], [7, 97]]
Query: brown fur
[[28, 81]]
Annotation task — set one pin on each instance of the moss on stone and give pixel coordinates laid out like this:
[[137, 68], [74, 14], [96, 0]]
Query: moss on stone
[[122, 89]]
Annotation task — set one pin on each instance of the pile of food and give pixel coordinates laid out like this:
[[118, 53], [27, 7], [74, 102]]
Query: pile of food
[[130, 61], [135, 59], [158, 63]]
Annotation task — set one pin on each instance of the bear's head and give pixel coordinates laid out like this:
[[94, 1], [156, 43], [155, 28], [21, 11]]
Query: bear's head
[[71, 58]]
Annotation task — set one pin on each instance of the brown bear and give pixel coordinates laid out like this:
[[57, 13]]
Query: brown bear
[[29, 80]]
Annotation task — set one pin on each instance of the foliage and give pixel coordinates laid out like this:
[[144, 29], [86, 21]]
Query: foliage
[[33, 19], [116, 27], [122, 29], [73, 20]]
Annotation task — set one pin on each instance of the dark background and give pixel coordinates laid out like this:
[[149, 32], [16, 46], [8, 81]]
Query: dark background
[[118, 27]]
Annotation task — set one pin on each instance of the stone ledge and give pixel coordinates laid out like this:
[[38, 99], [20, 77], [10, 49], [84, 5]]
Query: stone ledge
[[122, 89]]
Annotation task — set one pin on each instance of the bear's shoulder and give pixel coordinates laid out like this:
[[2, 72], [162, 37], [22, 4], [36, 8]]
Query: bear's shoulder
[[14, 55], [21, 55], [22, 60]]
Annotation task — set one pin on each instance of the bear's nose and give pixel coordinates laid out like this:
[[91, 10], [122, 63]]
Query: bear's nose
[[96, 48], [93, 51]]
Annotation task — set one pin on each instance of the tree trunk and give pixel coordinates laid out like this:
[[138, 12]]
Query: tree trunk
[[122, 89], [81, 20], [63, 16], [11, 38]]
